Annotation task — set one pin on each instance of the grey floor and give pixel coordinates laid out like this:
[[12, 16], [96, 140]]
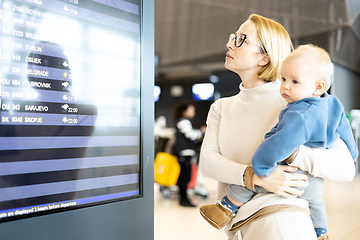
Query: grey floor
[[178, 223]]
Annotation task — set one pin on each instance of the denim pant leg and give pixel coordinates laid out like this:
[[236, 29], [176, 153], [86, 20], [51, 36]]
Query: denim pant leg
[[313, 194], [240, 193]]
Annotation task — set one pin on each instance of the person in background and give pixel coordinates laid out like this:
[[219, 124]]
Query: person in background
[[237, 124], [185, 145], [312, 118]]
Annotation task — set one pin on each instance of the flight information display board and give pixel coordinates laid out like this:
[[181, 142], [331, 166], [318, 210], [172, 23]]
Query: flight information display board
[[70, 105]]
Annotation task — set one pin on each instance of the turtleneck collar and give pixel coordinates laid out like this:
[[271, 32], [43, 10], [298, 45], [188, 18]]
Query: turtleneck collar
[[253, 94]]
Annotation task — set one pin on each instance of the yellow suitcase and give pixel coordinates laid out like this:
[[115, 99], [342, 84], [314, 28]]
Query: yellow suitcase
[[167, 169]]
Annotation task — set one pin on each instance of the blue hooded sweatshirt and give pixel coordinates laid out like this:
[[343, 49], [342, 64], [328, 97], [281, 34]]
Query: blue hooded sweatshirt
[[313, 122]]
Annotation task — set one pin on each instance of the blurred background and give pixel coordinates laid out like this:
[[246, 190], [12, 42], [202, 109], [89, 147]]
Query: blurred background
[[190, 38]]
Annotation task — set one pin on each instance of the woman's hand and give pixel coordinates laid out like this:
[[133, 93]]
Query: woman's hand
[[283, 182]]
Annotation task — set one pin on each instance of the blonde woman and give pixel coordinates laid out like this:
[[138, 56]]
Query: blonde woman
[[236, 126]]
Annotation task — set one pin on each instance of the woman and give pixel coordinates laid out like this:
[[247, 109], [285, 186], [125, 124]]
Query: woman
[[185, 145], [236, 126]]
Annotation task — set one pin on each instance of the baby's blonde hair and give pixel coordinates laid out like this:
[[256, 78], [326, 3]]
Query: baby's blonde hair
[[318, 61], [277, 43]]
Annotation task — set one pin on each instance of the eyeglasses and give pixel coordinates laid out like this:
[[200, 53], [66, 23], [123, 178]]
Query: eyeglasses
[[239, 40]]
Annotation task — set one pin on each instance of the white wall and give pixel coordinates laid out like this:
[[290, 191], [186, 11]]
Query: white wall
[[346, 87]]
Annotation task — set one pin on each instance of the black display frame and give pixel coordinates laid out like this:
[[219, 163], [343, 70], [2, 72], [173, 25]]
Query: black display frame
[[146, 111]]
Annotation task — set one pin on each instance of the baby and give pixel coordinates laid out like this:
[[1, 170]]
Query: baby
[[312, 118]]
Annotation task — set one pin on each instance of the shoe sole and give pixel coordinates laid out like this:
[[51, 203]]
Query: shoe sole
[[212, 223]]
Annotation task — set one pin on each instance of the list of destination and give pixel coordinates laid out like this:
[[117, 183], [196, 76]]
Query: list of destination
[[36, 78], [69, 104]]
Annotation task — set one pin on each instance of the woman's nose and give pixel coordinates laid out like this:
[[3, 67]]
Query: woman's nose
[[230, 45]]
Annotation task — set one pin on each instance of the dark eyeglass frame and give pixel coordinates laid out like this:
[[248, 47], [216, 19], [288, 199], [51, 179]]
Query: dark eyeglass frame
[[239, 40]]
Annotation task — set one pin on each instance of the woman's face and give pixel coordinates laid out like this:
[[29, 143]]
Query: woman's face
[[189, 112], [244, 59]]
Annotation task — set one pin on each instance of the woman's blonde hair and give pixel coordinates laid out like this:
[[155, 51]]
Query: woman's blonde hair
[[276, 42]]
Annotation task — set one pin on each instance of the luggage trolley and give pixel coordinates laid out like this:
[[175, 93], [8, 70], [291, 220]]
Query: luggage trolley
[[167, 170]]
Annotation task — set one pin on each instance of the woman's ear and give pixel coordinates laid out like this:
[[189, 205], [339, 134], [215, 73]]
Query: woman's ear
[[264, 60], [319, 88]]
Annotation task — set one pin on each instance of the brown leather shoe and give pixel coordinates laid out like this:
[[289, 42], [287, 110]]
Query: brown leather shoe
[[324, 237], [216, 214]]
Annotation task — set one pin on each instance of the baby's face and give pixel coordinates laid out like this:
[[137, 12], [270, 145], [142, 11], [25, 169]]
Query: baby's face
[[297, 81]]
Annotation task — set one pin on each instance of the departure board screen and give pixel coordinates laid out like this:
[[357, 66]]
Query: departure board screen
[[70, 105]]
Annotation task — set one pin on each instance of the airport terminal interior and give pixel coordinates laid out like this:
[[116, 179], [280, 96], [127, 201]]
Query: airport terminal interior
[[190, 51], [88, 90]]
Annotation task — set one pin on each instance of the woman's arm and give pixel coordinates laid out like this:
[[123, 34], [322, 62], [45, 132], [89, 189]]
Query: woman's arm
[[212, 163], [334, 164]]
